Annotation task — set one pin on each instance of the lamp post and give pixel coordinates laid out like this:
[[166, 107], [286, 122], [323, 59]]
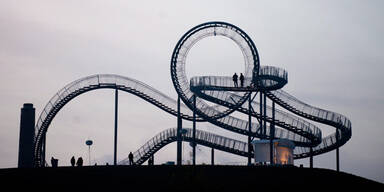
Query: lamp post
[[89, 143]]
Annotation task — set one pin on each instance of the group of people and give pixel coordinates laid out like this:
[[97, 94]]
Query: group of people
[[235, 77], [78, 163]]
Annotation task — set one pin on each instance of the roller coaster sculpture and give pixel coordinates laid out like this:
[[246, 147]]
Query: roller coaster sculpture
[[266, 81]]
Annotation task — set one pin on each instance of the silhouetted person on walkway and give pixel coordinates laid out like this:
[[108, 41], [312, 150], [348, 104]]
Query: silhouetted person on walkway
[[73, 161], [79, 162], [54, 162], [130, 157], [234, 78], [241, 80]]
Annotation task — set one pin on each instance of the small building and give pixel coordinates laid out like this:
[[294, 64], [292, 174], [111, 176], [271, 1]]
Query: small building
[[282, 151]]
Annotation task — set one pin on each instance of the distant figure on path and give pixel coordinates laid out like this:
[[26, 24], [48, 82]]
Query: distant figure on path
[[234, 78], [54, 162], [73, 161], [241, 80], [79, 162], [130, 157]]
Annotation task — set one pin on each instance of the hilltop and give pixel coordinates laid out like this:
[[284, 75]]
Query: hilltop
[[181, 178]]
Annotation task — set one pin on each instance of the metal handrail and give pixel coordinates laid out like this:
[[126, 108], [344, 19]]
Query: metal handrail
[[202, 137]]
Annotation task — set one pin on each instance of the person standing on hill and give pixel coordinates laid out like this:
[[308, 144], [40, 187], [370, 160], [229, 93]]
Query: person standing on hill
[[73, 161], [54, 162], [130, 157], [79, 162]]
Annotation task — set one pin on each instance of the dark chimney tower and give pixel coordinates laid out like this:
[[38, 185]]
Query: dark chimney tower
[[27, 136]]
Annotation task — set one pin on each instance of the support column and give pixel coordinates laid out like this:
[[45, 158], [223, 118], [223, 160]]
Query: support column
[[44, 144], [311, 158], [116, 115], [249, 129], [337, 160], [212, 156], [26, 136], [194, 131], [151, 160], [265, 115], [261, 116], [337, 152], [179, 125], [272, 134]]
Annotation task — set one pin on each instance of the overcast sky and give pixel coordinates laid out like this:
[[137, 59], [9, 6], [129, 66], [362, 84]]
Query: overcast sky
[[332, 50]]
